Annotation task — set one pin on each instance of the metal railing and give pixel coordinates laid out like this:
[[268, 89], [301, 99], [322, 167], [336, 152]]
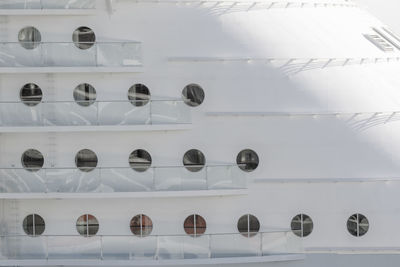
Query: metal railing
[[47, 4], [120, 179], [68, 54], [153, 247], [89, 113]]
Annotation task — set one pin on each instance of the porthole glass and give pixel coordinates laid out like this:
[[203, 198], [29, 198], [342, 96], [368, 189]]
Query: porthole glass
[[87, 225], [193, 95], [29, 37], [84, 94], [140, 160], [357, 225], [32, 160], [248, 225], [30, 94], [194, 160], [86, 160], [247, 160], [141, 225], [84, 37], [302, 225], [33, 225], [195, 225], [139, 95]]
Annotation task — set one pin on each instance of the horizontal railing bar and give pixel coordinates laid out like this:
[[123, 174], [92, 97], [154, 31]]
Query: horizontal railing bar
[[107, 168], [328, 180], [169, 235], [69, 42], [90, 101], [270, 4], [272, 59], [298, 114]]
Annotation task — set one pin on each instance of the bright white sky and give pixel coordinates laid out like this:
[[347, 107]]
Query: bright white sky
[[386, 10]]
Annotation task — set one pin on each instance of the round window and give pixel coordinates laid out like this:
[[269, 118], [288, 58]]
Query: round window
[[357, 225], [247, 160], [29, 37], [139, 95], [87, 225], [195, 225], [84, 94], [302, 225], [141, 225], [193, 95], [86, 160], [140, 160], [194, 160], [33, 225], [30, 94], [84, 37], [32, 160], [248, 225]]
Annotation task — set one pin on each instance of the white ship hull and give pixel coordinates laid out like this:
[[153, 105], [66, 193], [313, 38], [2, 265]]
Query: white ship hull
[[311, 87]]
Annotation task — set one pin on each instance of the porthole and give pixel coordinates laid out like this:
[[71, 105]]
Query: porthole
[[87, 225], [195, 225], [30, 94], [141, 225], [302, 225], [247, 160], [29, 37], [194, 160], [139, 95], [193, 95], [84, 94], [84, 37], [86, 160], [140, 160], [248, 225], [33, 225], [32, 160], [357, 225]]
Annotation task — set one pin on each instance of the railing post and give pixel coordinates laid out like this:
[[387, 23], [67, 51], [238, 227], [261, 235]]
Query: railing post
[[96, 63], [46, 181], [156, 255], [42, 56], [97, 113], [209, 246], [101, 248], [47, 248], [150, 112], [207, 184], [100, 178], [154, 178]]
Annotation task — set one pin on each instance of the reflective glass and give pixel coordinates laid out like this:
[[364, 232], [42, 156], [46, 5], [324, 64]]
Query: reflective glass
[[33, 225], [85, 94], [32, 160], [29, 37], [86, 160], [248, 225], [194, 160], [141, 225], [84, 37], [193, 95], [31, 94], [87, 225], [140, 160], [247, 160], [139, 95]]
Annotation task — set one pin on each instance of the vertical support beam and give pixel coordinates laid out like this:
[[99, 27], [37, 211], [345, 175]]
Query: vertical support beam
[[111, 6]]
